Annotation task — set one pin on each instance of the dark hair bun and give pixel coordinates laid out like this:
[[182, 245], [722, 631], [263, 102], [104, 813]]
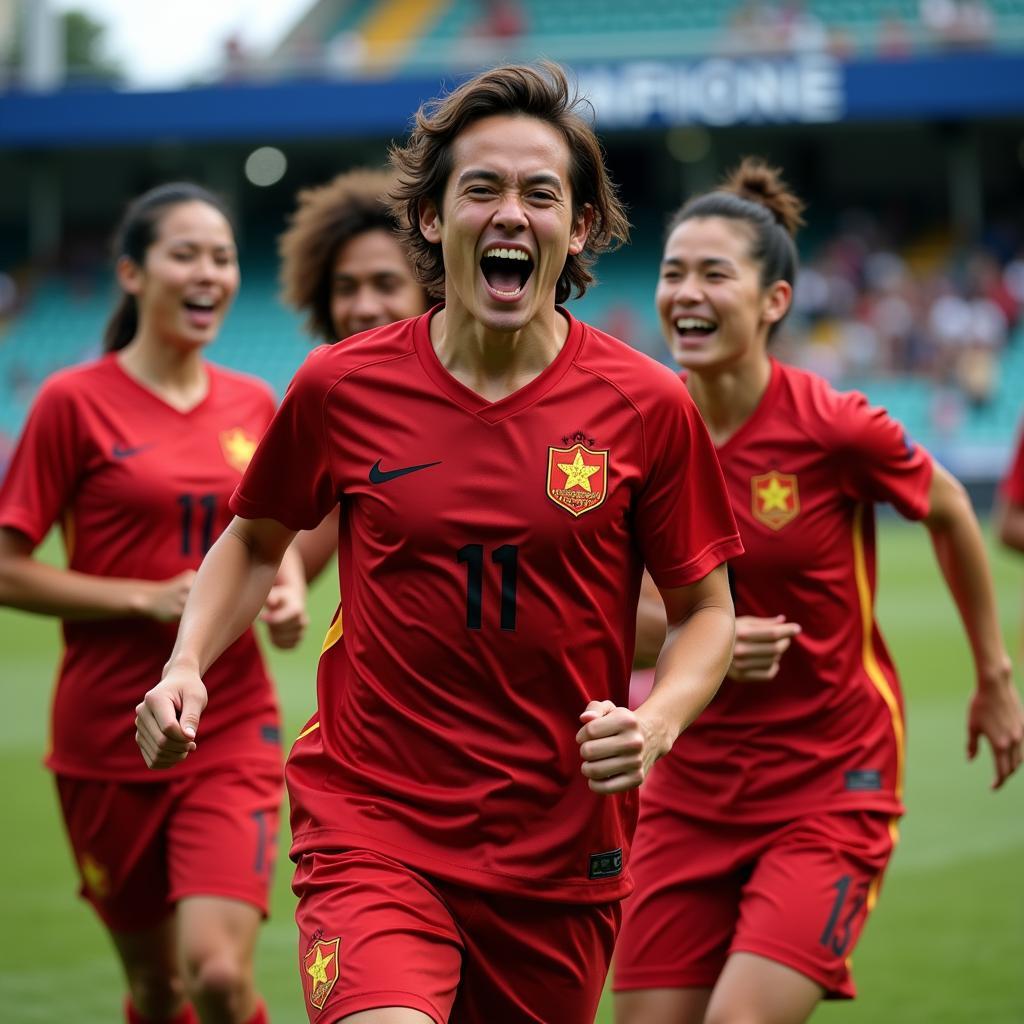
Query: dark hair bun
[[757, 181]]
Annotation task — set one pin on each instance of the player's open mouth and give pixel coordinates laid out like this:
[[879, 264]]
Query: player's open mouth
[[506, 271], [694, 327], [201, 310]]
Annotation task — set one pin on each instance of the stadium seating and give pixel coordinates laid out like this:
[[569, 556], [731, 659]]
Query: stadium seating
[[454, 34]]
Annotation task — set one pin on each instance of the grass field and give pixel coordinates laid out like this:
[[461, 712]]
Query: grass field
[[945, 946]]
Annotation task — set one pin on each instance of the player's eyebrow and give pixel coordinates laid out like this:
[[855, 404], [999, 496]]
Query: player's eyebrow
[[712, 261], [538, 178]]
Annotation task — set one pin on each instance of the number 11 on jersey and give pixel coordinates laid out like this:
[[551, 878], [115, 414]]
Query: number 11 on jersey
[[507, 556]]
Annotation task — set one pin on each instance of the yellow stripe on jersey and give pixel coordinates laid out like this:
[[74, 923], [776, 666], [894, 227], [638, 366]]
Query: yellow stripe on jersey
[[871, 666], [334, 633], [305, 732]]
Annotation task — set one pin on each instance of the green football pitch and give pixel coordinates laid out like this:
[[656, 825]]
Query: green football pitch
[[945, 945]]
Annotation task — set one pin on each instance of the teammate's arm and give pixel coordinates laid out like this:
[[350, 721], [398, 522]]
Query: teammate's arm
[[319, 545], [995, 710], [756, 656], [651, 624], [284, 612], [619, 746], [33, 586], [229, 590]]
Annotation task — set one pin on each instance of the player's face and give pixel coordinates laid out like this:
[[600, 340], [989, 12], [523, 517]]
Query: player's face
[[188, 278], [506, 225], [372, 284], [713, 309]]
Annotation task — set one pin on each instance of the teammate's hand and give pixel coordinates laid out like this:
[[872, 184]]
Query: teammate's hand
[[164, 600], [996, 714], [167, 720], [285, 615], [760, 645], [616, 746]]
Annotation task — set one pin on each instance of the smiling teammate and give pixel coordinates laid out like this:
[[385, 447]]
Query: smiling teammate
[[136, 455], [344, 263], [463, 802], [765, 832]]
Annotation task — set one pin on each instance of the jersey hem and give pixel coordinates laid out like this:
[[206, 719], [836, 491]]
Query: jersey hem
[[449, 870], [379, 999], [661, 977], [23, 524], [247, 509], [697, 568]]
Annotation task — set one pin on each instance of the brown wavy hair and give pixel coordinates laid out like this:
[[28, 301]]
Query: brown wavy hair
[[326, 218], [424, 163]]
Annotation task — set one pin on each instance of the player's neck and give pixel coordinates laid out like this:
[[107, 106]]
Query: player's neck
[[177, 375], [728, 397], [495, 364]]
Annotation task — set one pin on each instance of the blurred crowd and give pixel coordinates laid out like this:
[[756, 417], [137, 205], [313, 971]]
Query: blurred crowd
[[750, 27], [935, 309], [767, 26]]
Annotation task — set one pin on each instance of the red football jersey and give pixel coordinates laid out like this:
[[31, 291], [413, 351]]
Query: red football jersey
[[141, 491], [1013, 484], [827, 733], [490, 558]]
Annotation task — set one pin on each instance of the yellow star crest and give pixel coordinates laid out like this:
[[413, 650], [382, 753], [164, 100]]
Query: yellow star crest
[[775, 495], [321, 964], [238, 448], [317, 970], [775, 498], [577, 478], [578, 473]]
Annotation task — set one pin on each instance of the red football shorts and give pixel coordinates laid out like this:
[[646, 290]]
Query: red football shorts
[[375, 933], [798, 894], [142, 846]]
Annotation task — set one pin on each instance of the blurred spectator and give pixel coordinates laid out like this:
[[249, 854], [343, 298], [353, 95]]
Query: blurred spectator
[[346, 53], [893, 36], [500, 20], [866, 306], [753, 28], [235, 59], [801, 31], [957, 23]]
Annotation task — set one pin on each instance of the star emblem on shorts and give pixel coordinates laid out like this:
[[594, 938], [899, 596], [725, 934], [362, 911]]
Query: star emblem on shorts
[[317, 970]]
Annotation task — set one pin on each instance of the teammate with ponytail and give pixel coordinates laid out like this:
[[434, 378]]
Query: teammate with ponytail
[[135, 455], [764, 833]]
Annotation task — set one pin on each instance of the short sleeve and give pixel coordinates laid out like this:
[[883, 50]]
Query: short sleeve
[[1012, 486], [47, 464], [684, 520], [289, 477], [877, 460]]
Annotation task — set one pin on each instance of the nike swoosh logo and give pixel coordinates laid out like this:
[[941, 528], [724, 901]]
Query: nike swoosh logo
[[382, 476], [123, 451]]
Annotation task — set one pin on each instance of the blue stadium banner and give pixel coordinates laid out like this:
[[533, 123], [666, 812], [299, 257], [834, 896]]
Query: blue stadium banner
[[717, 91]]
